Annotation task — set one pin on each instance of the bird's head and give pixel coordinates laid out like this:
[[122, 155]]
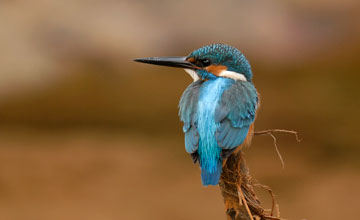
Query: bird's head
[[209, 62]]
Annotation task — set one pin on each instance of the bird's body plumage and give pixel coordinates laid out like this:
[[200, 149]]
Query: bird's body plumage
[[218, 109], [217, 114]]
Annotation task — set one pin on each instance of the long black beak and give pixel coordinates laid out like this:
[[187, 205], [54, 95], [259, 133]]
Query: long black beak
[[167, 61]]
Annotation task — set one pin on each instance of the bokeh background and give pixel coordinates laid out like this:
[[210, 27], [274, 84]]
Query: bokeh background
[[86, 133]]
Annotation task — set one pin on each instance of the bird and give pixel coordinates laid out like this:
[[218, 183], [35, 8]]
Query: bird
[[218, 108]]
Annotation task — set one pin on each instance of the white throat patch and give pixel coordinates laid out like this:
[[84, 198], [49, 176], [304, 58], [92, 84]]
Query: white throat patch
[[232, 75], [225, 73], [193, 74]]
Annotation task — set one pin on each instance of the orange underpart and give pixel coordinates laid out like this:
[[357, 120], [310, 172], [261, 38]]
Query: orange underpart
[[247, 140]]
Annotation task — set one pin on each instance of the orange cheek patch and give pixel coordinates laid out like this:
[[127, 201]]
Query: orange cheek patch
[[191, 59], [215, 69]]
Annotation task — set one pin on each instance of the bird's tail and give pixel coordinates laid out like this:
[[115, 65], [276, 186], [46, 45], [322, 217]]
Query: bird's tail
[[211, 177]]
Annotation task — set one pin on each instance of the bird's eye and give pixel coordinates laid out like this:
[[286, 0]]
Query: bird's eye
[[205, 62], [202, 63]]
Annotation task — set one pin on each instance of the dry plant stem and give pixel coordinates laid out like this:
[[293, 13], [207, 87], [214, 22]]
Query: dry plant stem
[[270, 133], [273, 218], [271, 194], [244, 202], [237, 187], [237, 190], [277, 210]]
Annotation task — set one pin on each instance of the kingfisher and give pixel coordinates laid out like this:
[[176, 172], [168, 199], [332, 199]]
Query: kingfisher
[[218, 108]]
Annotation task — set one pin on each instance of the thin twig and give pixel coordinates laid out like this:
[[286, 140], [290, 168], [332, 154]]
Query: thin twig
[[273, 218], [277, 210], [265, 132], [270, 133], [271, 194], [277, 150], [244, 202]]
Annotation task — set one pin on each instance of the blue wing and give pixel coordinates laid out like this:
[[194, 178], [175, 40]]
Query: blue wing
[[235, 113], [188, 115]]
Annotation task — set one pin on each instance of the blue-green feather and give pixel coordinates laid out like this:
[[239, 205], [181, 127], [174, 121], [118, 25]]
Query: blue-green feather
[[209, 151], [235, 113], [188, 115]]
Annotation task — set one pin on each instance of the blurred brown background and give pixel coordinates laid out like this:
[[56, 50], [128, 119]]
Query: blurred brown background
[[85, 133]]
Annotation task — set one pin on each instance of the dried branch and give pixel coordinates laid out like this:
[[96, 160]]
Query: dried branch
[[241, 195], [270, 133], [262, 186], [237, 189], [237, 186]]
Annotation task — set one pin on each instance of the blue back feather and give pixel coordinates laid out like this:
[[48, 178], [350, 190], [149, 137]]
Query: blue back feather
[[209, 151], [217, 114]]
